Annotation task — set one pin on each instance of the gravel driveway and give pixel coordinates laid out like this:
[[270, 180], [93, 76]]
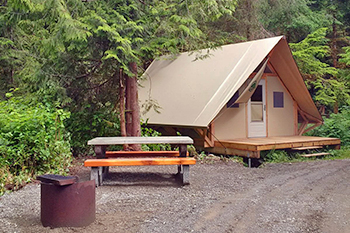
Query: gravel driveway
[[222, 197]]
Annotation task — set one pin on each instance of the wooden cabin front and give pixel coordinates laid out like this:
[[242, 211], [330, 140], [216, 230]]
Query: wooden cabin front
[[206, 99]]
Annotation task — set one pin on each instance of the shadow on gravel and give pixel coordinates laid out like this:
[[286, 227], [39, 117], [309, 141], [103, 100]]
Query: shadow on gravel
[[142, 179]]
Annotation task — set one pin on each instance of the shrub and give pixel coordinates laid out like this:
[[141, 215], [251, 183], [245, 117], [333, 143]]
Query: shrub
[[89, 122], [33, 141], [337, 125]]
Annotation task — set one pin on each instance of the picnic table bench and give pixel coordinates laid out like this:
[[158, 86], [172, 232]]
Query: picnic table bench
[[105, 159]]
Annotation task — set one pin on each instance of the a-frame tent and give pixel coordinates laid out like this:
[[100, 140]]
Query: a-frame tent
[[194, 94]]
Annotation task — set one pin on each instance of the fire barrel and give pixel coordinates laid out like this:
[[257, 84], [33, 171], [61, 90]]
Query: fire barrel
[[66, 202]]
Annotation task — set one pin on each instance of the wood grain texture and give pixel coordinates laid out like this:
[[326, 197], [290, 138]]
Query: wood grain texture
[[115, 154], [138, 162], [105, 141]]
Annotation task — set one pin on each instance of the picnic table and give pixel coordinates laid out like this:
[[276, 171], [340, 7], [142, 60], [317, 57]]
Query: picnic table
[[105, 159]]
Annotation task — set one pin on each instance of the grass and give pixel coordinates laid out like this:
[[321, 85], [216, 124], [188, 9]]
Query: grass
[[281, 156]]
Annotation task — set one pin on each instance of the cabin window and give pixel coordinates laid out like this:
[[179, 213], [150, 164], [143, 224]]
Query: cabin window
[[231, 102], [278, 100], [257, 105]]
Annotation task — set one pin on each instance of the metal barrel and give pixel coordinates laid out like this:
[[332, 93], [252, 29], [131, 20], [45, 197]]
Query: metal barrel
[[71, 205]]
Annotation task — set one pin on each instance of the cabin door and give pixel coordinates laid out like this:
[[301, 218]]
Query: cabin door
[[257, 112]]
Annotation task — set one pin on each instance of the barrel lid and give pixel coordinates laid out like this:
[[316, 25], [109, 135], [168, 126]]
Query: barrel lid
[[57, 179]]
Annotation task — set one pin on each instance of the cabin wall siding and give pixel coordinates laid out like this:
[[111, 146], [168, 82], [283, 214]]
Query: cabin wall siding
[[280, 120]]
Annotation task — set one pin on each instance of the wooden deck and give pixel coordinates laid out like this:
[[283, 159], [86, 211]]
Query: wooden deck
[[251, 147]]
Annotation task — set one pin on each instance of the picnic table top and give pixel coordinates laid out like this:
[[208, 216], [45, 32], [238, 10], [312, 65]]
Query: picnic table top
[[105, 141]]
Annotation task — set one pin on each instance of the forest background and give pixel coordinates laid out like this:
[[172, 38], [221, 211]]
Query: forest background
[[67, 65]]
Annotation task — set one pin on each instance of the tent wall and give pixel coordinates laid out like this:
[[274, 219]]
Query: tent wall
[[280, 119], [283, 63], [231, 123]]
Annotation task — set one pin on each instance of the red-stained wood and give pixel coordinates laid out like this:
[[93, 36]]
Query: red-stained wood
[[114, 154], [139, 162]]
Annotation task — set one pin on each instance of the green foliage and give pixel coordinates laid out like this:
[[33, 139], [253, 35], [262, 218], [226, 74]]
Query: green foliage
[[70, 53], [33, 141], [337, 126], [90, 122], [149, 132], [343, 153], [345, 57], [323, 80], [281, 156], [310, 53], [294, 19], [277, 156]]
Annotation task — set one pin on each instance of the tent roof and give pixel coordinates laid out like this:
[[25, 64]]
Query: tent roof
[[192, 92]]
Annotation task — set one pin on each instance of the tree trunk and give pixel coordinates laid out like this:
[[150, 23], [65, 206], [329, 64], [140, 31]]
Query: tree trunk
[[122, 107], [334, 51], [133, 111], [249, 19], [336, 108], [128, 111]]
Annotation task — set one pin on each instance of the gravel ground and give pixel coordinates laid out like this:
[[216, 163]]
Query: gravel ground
[[222, 197]]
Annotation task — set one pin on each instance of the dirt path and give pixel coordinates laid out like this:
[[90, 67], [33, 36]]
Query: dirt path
[[300, 197]]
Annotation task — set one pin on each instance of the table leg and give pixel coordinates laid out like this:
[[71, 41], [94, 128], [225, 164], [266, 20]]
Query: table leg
[[183, 150], [179, 169], [186, 174], [94, 175], [100, 152]]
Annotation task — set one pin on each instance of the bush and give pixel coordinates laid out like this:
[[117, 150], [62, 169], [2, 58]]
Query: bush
[[90, 122], [149, 132], [337, 126], [33, 141]]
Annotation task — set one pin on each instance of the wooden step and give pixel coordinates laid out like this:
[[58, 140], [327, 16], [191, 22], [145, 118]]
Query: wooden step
[[307, 148], [315, 154]]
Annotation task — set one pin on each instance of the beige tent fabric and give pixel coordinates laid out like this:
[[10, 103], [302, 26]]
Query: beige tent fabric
[[286, 68], [251, 87], [192, 92]]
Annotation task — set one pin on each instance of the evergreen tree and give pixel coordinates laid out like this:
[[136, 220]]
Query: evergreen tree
[[327, 86]]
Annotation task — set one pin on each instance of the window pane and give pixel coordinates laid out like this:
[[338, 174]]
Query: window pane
[[257, 112], [278, 100], [257, 96]]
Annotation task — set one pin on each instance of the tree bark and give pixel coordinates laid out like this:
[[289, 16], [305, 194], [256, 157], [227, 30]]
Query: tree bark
[[133, 125], [334, 51], [122, 107], [128, 111]]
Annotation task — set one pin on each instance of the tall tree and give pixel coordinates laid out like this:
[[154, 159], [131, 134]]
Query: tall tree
[[292, 18], [323, 80], [71, 52]]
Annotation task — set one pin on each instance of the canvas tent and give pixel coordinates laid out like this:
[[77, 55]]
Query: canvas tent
[[199, 96]]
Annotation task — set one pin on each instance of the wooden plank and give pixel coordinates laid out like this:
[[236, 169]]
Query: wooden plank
[[230, 151], [114, 154], [105, 141], [269, 143], [235, 145], [315, 154], [139, 162], [307, 148]]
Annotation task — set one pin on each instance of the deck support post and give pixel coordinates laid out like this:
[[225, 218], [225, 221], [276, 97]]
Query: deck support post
[[249, 160]]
